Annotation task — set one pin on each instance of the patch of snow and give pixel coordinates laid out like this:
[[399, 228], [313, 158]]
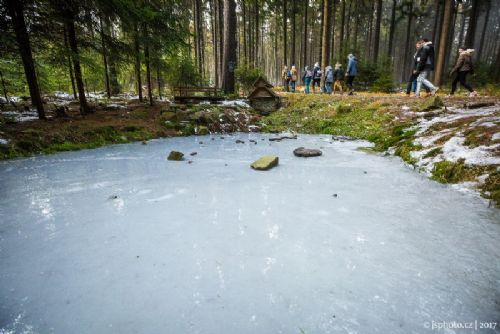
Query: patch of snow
[[63, 96], [4, 141], [20, 117], [115, 106], [454, 150], [496, 136], [236, 103]]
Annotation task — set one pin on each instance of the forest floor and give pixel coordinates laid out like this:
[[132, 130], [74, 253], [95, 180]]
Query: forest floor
[[453, 140]]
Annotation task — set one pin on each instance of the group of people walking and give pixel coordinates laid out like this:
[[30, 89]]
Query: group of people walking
[[422, 66], [333, 78]]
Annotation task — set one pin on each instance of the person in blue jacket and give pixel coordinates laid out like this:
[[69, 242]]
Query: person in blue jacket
[[352, 70]]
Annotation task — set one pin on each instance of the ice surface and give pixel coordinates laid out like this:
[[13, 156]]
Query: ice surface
[[120, 240]]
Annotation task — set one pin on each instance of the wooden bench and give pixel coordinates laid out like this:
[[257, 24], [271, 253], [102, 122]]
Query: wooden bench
[[196, 94]]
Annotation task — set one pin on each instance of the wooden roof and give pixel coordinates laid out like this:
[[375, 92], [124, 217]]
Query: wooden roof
[[262, 92], [261, 82]]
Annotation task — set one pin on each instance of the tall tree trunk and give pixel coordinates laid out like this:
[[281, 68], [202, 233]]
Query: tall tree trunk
[[325, 52], [481, 43], [70, 27], [4, 87], [294, 12], [16, 12], [321, 25], [158, 81], [392, 29], [304, 52], [497, 66], [285, 55], [104, 58], [230, 45], [437, 16], [148, 72], [215, 40], [407, 44], [245, 41], [70, 65], [257, 30], [445, 29], [471, 29], [341, 35], [332, 51], [376, 39], [137, 51], [220, 15]]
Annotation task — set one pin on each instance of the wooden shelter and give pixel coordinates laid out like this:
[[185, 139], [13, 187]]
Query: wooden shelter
[[263, 98]]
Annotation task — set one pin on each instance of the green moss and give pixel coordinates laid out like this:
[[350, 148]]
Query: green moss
[[434, 152], [404, 149], [491, 188], [454, 172]]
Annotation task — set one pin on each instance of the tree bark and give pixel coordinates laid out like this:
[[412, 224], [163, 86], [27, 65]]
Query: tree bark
[[325, 52], [230, 46], [304, 52], [285, 58], [407, 44], [70, 65], [158, 81], [104, 58], [481, 43], [70, 27], [294, 12], [16, 12], [4, 87], [376, 39], [341, 35], [321, 25], [445, 29], [392, 29], [332, 50], [471, 29], [148, 72], [137, 51]]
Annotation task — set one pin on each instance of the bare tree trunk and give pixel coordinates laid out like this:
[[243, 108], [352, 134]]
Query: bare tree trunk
[[70, 65], [158, 81], [321, 32], [325, 52], [341, 39], [445, 29], [257, 30], [16, 12], [230, 46], [220, 17], [294, 11], [105, 61], [70, 27], [332, 51], [4, 87], [215, 39], [471, 29], [304, 60], [481, 43], [147, 62], [392, 29], [376, 39], [408, 41], [137, 51], [285, 57]]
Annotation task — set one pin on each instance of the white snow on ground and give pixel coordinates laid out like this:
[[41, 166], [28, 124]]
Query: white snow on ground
[[63, 96], [496, 136], [454, 149], [4, 141], [20, 117], [236, 103], [115, 106]]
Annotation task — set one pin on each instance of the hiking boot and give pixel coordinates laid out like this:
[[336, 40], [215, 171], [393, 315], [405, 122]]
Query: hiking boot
[[433, 92], [473, 94]]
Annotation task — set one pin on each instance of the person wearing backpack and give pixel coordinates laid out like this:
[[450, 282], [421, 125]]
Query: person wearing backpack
[[338, 76], [328, 79], [306, 78], [352, 70], [462, 68], [293, 78], [425, 65], [285, 77], [316, 78]]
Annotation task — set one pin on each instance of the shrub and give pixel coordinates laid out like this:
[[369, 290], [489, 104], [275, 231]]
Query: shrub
[[246, 75]]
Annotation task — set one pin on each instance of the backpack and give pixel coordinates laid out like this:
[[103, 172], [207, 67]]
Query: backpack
[[308, 74], [329, 76], [318, 74], [289, 75]]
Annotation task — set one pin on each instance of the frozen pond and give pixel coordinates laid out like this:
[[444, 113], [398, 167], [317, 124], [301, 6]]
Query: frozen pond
[[120, 240]]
